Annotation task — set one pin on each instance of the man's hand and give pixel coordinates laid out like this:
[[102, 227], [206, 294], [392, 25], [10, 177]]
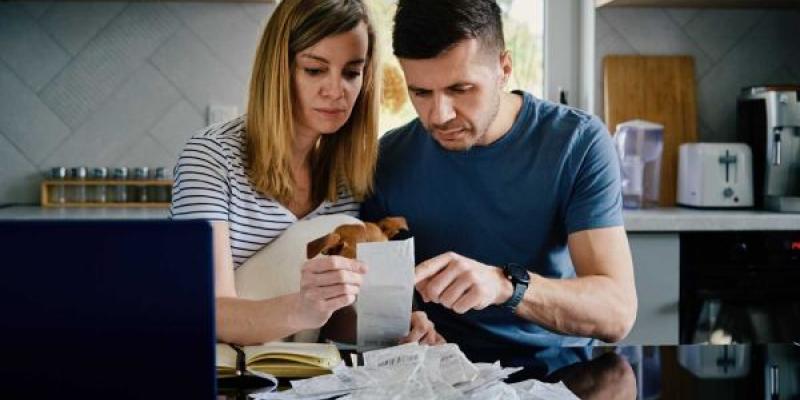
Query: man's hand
[[460, 283], [422, 330]]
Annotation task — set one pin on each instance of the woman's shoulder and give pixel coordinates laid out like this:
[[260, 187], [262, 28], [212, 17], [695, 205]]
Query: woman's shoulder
[[223, 143], [226, 135]]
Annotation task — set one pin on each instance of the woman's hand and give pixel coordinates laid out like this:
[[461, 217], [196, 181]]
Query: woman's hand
[[422, 330], [327, 284]]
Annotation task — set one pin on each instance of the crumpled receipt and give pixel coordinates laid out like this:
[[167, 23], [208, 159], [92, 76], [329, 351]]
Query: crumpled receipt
[[419, 372]]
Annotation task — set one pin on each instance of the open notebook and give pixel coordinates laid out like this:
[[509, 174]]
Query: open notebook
[[281, 359]]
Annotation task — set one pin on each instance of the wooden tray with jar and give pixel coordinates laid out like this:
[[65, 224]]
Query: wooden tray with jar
[[51, 198]]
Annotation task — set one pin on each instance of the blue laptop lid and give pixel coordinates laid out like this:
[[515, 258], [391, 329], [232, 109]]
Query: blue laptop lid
[[106, 309]]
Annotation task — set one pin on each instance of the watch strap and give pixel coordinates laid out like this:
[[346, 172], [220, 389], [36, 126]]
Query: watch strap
[[516, 297], [519, 289]]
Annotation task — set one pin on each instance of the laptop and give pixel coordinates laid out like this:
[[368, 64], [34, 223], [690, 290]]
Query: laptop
[[106, 309]]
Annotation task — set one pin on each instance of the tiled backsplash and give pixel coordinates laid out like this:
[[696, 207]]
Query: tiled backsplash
[[732, 49], [114, 83]]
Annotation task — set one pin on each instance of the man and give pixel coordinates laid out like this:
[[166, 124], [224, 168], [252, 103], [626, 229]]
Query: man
[[514, 201]]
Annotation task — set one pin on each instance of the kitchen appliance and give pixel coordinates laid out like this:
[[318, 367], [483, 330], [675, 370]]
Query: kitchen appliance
[[768, 119], [740, 287], [715, 175], [639, 145], [730, 361]]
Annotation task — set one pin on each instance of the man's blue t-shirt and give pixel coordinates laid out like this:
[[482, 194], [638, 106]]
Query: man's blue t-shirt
[[555, 172]]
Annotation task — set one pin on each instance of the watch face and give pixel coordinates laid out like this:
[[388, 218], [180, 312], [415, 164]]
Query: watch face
[[518, 273]]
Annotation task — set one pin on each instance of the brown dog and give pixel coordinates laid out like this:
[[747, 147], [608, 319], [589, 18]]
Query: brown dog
[[342, 241], [341, 327]]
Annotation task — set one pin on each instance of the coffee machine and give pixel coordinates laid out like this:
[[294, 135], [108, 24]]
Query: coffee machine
[[768, 119]]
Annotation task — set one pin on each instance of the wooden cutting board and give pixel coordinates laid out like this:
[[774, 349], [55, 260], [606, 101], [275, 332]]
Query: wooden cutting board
[[660, 89]]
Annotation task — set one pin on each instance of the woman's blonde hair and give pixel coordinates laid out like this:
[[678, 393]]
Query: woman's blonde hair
[[347, 156]]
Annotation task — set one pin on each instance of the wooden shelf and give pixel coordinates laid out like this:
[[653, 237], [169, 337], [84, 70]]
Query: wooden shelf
[[110, 182], [107, 205], [700, 3], [110, 185]]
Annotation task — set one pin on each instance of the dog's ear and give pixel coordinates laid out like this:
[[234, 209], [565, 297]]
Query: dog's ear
[[330, 244], [391, 226], [352, 233], [374, 233], [347, 249]]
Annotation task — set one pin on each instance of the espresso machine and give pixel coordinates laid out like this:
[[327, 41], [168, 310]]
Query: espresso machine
[[768, 119]]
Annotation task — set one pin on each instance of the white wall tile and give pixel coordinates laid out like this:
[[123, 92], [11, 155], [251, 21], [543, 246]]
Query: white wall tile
[[612, 43], [123, 117], [651, 31], [108, 60], [29, 51], [72, 23], [795, 68], [147, 152], [717, 31], [682, 16], [177, 126], [709, 135], [601, 28], [198, 74], [258, 12], [35, 8], [19, 179], [227, 31], [26, 121], [782, 76], [784, 24]]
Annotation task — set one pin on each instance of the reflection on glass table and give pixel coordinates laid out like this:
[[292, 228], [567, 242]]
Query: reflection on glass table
[[645, 372]]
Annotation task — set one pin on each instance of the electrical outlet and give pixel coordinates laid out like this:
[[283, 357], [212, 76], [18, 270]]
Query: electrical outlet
[[221, 113]]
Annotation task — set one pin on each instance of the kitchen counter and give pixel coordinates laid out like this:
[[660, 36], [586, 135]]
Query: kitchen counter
[[647, 220], [678, 219], [36, 212]]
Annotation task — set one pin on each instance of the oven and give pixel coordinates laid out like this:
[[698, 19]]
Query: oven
[[740, 287]]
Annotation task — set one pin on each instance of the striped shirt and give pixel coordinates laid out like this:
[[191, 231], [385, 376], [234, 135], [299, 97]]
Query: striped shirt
[[211, 183]]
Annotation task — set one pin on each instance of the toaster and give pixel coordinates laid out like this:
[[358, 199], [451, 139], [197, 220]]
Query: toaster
[[715, 175]]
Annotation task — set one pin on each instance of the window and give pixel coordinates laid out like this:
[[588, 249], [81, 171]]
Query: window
[[569, 51], [523, 25]]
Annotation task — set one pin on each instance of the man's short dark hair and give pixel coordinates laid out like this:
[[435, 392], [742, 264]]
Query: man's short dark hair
[[427, 28]]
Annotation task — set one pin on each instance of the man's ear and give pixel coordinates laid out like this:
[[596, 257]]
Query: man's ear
[[505, 65], [330, 244]]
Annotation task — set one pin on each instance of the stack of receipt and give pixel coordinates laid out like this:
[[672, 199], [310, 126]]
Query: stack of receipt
[[419, 372]]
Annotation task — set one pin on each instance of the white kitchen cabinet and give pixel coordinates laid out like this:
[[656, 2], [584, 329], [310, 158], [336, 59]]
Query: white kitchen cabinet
[[656, 261]]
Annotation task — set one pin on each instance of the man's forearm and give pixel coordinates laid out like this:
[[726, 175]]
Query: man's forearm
[[594, 306]]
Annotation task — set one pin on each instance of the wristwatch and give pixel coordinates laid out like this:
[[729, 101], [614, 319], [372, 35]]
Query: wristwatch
[[518, 275]]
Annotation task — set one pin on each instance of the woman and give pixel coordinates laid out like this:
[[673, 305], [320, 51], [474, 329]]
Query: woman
[[307, 147]]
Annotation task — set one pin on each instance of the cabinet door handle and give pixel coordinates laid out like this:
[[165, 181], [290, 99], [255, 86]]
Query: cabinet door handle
[[776, 155], [774, 382]]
